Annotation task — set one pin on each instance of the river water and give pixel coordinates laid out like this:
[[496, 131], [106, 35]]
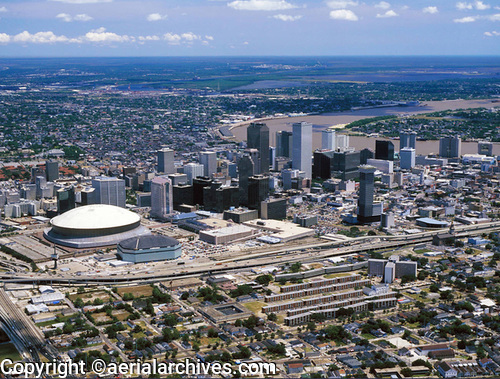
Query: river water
[[323, 121]]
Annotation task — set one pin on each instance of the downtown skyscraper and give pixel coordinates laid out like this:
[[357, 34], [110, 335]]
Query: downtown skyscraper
[[302, 148]]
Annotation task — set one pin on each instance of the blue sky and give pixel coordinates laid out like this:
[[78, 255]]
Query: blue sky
[[55, 28]]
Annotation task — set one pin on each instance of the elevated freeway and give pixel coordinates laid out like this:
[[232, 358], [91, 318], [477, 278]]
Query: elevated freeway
[[306, 253]]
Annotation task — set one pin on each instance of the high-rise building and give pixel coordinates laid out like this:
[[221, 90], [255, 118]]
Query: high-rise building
[[65, 199], [182, 194], [258, 190], [365, 197], [272, 155], [343, 165], [193, 170], [287, 175], [341, 142], [328, 140], [209, 161], [258, 138], [161, 197], [407, 156], [365, 154], [384, 150], [109, 190], [284, 143], [273, 209], [245, 170], [52, 170], [199, 184], [485, 148], [450, 147], [166, 161], [302, 148], [407, 139], [178, 178]]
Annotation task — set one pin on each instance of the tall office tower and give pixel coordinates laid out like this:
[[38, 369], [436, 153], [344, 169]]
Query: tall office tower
[[258, 138], [287, 175], [51, 170], [166, 161], [258, 190], [450, 147], [272, 155], [328, 140], [365, 154], [302, 148], [193, 170], [407, 156], [342, 165], [232, 170], [407, 139], [65, 199], [199, 184], [485, 148], [284, 144], [109, 191], [341, 142], [28, 192], [161, 197], [209, 161], [384, 150], [246, 169], [365, 197]]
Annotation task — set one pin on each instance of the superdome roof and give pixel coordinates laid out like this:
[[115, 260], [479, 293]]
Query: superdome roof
[[95, 216], [148, 242]]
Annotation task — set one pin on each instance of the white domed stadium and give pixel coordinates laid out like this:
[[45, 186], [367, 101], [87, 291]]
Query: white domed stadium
[[94, 226]]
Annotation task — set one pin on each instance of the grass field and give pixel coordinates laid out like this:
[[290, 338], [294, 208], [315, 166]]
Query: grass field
[[8, 350], [121, 314], [90, 296], [137, 291], [254, 306]]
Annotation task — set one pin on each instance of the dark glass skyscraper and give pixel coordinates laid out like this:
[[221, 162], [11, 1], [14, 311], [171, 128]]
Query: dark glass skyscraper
[[384, 150], [258, 138], [365, 198]]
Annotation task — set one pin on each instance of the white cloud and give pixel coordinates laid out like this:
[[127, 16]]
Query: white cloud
[[286, 17], [343, 14], [488, 34], [148, 38], [464, 20], [173, 39], [387, 14], [431, 10], [341, 4], [494, 17], [4, 38], [188, 37], [480, 6], [100, 35], [83, 17], [383, 5], [65, 17], [83, 1], [463, 6], [209, 38], [156, 17], [3, 9], [79, 17], [261, 5], [40, 37]]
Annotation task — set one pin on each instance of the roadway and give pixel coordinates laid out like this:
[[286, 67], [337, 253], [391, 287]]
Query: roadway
[[311, 252]]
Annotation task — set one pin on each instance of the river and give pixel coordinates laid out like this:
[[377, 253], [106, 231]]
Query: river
[[323, 121]]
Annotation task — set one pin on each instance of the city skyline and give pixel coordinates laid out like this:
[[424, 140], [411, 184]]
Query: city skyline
[[78, 28]]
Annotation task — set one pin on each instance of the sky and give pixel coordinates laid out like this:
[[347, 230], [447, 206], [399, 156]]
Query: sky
[[78, 28]]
